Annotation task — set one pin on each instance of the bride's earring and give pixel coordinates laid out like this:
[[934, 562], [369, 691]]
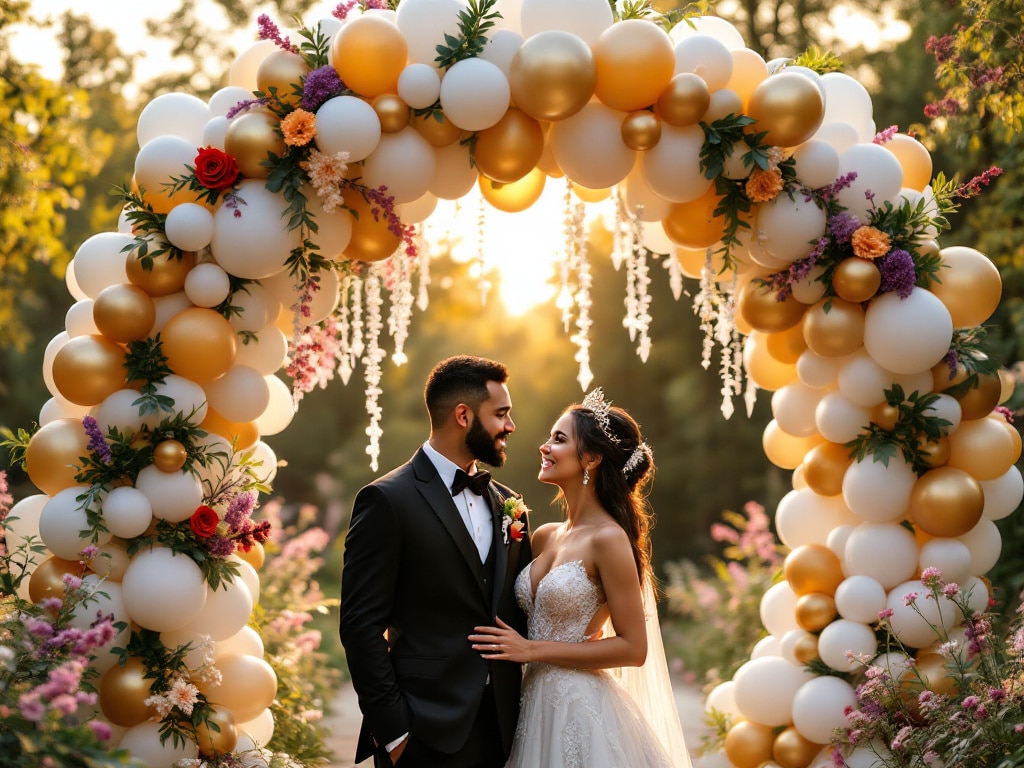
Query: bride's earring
[[586, 476]]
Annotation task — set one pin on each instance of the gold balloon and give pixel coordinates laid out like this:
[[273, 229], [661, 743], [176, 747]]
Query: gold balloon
[[635, 62], [371, 239], [87, 369], [885, 416], [792, 750], [834, 328], [943, 379], [110, 561], [761, 308], [243, 434], [54, 453], [971, 286], [979, 401], [934, 452], [695, 225], [806, 648], [254, 557], [124, 313], [552, 75], [824, 468], [693, 260], [222, 740], [369, 53], [764, 370], [684, 101], [1008, 384], [813, 568], [1017, 445], [934, 673], [789, 107], [250, 138], [514, 197], [787, 346], [392, 111], [510, 148], [588, 195], [983, 448], [47, 580], [748, 744], [946, 502], [914, 160], [641, 130], [438, 132], [123, 692], [283, 71], [856, 280], [199, 344], [815, 611], [165, 275], [169, 455], [784, 450]]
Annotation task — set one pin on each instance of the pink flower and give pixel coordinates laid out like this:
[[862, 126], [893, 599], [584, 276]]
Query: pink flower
[[100, 729], [931, 577]]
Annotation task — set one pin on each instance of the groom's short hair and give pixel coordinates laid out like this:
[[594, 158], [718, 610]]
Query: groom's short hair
[[460, 379]]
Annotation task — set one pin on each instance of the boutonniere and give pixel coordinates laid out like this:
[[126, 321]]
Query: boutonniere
[[513, 519]]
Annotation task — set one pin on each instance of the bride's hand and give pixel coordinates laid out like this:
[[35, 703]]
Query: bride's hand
[[501, 643]]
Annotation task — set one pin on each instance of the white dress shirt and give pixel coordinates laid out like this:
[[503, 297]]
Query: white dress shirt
[[474, 510]]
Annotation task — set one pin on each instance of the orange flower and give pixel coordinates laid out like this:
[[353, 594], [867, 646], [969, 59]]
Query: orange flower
[[764, 186], [299, 128], [870, 243]]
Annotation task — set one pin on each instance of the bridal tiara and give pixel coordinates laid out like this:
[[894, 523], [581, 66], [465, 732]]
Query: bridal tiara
[[596, 404]]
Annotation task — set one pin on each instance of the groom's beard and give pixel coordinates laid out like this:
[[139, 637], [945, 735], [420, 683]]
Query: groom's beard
[[483, 445]]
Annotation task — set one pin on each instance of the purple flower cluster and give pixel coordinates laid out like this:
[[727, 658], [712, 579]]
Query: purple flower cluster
[[883, 136], [973, 187], [60, 693], [345, 8], [942, 108], [830, 191], [320, 85], [244, 105], [239, 510], [842, 226], [268, 31], [898, 273], [98, 446], [942, 47]]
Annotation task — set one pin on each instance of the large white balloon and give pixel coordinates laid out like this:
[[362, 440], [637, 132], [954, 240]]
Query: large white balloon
[[907, 335], [778, 607], [1003, 495], [846, 645], [63, 521], [860, 598], [475, 94], [923, 620], [819, 707], [143, 743], [839, 420], [207, 284], [419, 85], [280, 410], [950, 556], [99, 262], [804, 517], [862, 381], [239, 395], [189, 226], [424, 23], [878, 172], [177, 114], [765, 689], [188, 398], [404, 162], [257, 243], [879, 491], [173, 496], [501, 48], [127, 512], [672, 167], [161, 159], [887, 552], [266, 351], [79, 321], [347, 124], [588, 147], [789, 227], [793, 407], [984, 542], [162, 590], [22, 524], [225, 612], [705, 56], [586, 19]]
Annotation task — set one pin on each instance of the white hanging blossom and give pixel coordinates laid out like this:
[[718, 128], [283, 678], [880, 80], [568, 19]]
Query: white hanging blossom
[[375, 354], [345, 359], [423, 253], [675, 275], [623, 233], [400, 316], [566, 265], [583, 322], [704, 308], [481, 261]]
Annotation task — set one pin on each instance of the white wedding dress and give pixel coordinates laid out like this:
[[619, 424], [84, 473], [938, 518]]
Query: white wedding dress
[[576, 718]]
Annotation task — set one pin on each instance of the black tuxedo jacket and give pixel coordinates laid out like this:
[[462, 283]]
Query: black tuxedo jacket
[[411, 569]]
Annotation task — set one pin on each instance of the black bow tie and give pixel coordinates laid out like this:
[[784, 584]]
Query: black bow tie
[[476, 483]]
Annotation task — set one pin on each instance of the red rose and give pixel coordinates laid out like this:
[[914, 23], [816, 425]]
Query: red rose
[[204, 522], [216, 169]]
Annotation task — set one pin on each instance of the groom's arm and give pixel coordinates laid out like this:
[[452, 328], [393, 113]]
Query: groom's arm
[[368, 585]]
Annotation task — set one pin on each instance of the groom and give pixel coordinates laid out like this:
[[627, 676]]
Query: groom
[[427, 559]]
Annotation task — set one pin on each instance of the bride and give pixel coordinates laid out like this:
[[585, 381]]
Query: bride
[[595, 687]]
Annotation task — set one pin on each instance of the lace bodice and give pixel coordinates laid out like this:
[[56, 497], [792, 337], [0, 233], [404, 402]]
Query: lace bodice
[[565, 602]]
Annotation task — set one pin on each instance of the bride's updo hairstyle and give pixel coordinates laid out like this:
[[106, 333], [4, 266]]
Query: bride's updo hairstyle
[[626, 469]]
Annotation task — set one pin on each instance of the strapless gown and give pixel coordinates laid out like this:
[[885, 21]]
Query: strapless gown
[[574, 718]]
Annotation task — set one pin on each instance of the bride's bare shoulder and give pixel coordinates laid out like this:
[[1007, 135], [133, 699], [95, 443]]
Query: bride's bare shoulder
[[542, 534]]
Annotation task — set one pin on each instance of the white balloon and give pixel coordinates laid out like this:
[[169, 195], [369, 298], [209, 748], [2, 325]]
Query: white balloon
[[72, 282], [255, 306], [119, 411], [923, 623], [641, 200], [860, 598], [588, 147], [455, 174], [817, 163], [334, 229], [173, 496], [99, 262], [189, 226], [106, 599], [176, 114], [242, 73], [404, 162], [715, 26], [279, 412], [793, 407], [809, 289], [887, 552], [261, 728], [946, 407], [1003, 494], [586, 19], [326, 297], [778, 609], [418, 210], [804, 517], [143, 743], [789, 227], [705, 56], [907, 335], [765, 689], [63, 521], [984, 543], [161, 159], [424, 23], [817, 371], [950, 556], [58, 408], [188, 397], [419, 85], [166, 308], [819, 707], [162, 590], [227, 98], [22, 523], [877, 491], [347, 124], [672, 167], [878, 171], [127, 512], [226, 610], [862, 381], [239, 395], [249, 576], [847, 101], [266, 351], [836, 541], [110, 561], [215, 133], [207, 284], [840, 136], [839, 420], [787, 645], [894, 663], [247, 640], [920, 382], [52, 348], [977, 594], [257, 243], [722, 699], [79, 321], [501, 48], [655, 240], [769, 645], [845, 645], [475, 94]]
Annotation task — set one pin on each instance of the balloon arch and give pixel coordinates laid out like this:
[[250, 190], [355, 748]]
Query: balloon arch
[[265, 227]]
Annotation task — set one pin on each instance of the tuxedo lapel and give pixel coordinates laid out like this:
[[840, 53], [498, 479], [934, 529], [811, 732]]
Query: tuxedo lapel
[[500, 547]]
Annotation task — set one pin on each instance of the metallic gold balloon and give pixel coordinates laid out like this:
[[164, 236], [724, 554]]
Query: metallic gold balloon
[[983, 448], [169, 455], [54, 453], [588, 195], [813, 568], [392, 111], [199, 344], [934, 673], [763, 311], [123, 692], [824, 468], [792, 750], [978, 401], [806, 649], [695, 225], [914, 160], [243, 434], [635, 62], [789, 107], [371, 240], [1015, 438], [885, 416], [87, 369], [787, 346], [815, 611], [369, 53], [684, 101], [250, 138], [509, 149], [856, 280], [552, 75], [971, 286], [1008, 385], [514, 197], [438, 133], [946, 502], [221, 740], [833, 327], [934, 452], [641, 130], [165, 275], [547, 162], [124, 313], [943, 378], [254, 557], [47, 580], [283, 71], [749, 744]]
